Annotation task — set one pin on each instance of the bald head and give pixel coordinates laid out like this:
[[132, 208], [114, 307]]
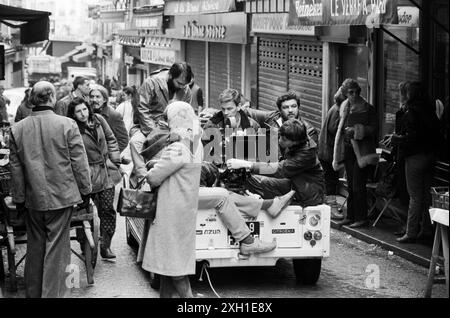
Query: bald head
[[43, 94]]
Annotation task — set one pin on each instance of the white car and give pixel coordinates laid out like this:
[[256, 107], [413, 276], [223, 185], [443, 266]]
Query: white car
[[15, 95]]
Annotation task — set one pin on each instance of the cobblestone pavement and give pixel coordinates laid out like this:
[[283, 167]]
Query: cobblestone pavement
[[346, 273]]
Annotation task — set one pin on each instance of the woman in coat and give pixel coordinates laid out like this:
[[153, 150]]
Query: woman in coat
[[419, 139], [356, 139], [170, 245], [104, 159]]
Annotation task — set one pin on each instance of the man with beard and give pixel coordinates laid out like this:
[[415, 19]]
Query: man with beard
[[159, 90], [288, 108], [80, 89]]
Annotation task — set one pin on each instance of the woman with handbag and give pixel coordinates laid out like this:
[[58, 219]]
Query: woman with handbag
[[104, 160], [355, 146], [170, 244]]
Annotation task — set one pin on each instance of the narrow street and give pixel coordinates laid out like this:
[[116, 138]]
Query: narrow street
[[345, 274]]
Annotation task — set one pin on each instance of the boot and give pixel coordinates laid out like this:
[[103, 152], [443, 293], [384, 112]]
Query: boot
[[106, 252], [335, 214], [105, 247]]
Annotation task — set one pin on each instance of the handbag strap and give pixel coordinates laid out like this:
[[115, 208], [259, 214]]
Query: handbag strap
[[140, 183]]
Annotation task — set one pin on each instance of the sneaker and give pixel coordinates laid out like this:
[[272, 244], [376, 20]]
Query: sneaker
[[257, 247], [335, 215], [279, 203]]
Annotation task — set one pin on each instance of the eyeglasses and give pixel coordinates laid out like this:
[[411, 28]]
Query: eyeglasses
[[351, 92]]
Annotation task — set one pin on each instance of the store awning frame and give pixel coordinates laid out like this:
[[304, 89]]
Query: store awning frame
[[34, 25]]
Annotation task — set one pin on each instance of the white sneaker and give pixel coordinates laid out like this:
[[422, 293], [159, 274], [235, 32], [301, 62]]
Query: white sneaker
[[257, 247], [279, 203]]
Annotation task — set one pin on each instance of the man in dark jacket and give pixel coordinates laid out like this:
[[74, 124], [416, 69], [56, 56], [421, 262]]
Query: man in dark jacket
[[50, 174], [326, 145], [288, 108], [231, 115], [99, 101], [299, 167]]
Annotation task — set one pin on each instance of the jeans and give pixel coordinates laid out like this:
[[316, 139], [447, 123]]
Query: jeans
[[331, 178], [419, 174], [268, 187], [230, 208], [48, 253], [139, 169], [356, 181]]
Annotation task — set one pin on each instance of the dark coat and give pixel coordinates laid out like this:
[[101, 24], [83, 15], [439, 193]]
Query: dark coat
[[115, 122], [102, 152], [303, 168], [420, 130], [328, 134], [273, 119], [218, 121]]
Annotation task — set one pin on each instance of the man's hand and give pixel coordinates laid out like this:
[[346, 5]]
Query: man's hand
[[238, 164], [350, 132], [86, 200]]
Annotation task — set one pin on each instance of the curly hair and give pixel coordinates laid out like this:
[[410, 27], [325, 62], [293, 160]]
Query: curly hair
[[294, 130], [288, 96]]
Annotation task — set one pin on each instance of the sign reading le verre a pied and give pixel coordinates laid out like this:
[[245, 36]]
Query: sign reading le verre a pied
[[331, 12]]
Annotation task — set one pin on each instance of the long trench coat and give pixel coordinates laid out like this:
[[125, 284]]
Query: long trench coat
[[170, 245], [101, 150]]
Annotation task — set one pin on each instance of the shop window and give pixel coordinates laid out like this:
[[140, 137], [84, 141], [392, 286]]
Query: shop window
[[400, 64]]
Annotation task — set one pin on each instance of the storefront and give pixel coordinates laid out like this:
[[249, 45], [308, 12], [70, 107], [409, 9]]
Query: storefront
[[136, 69], [215, 45]]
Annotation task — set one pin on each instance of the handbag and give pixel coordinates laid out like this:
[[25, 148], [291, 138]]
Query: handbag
[[137, 203]]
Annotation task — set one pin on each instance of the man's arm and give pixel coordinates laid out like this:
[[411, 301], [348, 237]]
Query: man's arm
[[79, 161], [18, 177], [111, 141], [146, 93], [260, 116]]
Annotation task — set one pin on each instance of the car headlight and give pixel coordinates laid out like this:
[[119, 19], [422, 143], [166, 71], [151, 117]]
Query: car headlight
[[317, 235]]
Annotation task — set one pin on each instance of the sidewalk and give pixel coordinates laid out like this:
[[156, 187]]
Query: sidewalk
[[383, 235]]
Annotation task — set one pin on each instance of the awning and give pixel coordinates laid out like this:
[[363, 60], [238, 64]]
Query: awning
[[78, 55], [35, 26]]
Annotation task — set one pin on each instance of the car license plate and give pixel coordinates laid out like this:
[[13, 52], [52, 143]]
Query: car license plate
[[254, 228]]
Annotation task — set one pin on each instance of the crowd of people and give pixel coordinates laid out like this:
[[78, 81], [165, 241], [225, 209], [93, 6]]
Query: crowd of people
[[66, 151]]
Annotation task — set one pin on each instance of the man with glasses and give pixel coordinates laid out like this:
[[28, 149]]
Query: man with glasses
[[157, 91]]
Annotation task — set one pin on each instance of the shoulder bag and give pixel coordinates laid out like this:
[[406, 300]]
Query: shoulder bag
[[137, 203]]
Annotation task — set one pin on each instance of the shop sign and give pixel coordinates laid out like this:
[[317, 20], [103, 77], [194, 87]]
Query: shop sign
[[156, 56], [408, 16], [148, 22], [227, 28], [191, 7], [277, 23], [162, 43], [332, 12], [43, 64]]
